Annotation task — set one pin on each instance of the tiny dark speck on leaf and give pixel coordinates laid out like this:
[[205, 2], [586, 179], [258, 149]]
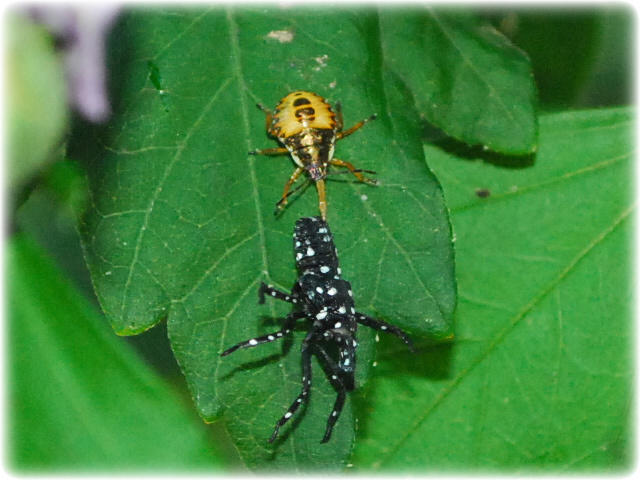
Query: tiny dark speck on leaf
[[483, 192], [156, 80], [154, 75]]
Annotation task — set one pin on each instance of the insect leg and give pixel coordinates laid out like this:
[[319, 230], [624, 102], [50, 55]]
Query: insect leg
[[268, 119], [285, 193], [342, 394], [322, 198], [385, 327], [306, 384], [357, 126], [339, 122], [356, 172], [302, 185], [289, 323], [275, 293], [270, 151]]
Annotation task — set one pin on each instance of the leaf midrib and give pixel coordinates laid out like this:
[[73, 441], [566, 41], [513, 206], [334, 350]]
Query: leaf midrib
[[237, 66]]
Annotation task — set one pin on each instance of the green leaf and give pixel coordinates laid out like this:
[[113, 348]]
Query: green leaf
[[78, 398], [36, 99], [181, 223], [467, 79], [540, 374]]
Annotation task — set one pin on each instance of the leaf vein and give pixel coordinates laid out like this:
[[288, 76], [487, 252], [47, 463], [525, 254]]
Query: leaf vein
[[501, 336]]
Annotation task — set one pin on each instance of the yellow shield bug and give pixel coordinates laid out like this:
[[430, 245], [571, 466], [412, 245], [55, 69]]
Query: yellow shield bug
[[308, 128]]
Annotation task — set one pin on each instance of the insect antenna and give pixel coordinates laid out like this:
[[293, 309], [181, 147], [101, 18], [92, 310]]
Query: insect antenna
[[357, 170]]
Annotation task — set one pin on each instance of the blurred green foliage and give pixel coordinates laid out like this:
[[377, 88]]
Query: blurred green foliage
[[36, 115]]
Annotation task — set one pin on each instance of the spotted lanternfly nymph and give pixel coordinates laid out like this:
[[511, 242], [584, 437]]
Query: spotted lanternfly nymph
[[307, 127], [326, 300]]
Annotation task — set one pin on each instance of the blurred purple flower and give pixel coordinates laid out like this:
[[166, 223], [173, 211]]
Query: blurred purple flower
[[82, 30]]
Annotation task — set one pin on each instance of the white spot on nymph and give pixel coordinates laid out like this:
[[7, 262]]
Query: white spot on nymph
[[253, 341], [339, 270], [334, 413], [319, 290], [355, 344], [299, 256], [299, 400], [347, 362], [350, 293], [271, 337], [288, 415], [310, 252], [297, 244], [334, 377], [383, 327], [353, 310], [273, 294], [279, 334], [321, 315], [332, 291], [338, 325], [324, 269], [322, 230], [342, 309]]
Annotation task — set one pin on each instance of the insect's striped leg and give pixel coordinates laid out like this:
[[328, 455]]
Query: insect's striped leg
[[322, 198], [268, 121], [355, 171], [385, 327], [275, 293], [289, 323], [339, 121], [285, 193], [270, 151], [356, 127], [342, 394], [306, 384]]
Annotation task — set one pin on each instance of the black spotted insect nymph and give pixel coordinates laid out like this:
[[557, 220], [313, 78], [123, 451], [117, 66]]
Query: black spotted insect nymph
[[309, 129], [321, 296]]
